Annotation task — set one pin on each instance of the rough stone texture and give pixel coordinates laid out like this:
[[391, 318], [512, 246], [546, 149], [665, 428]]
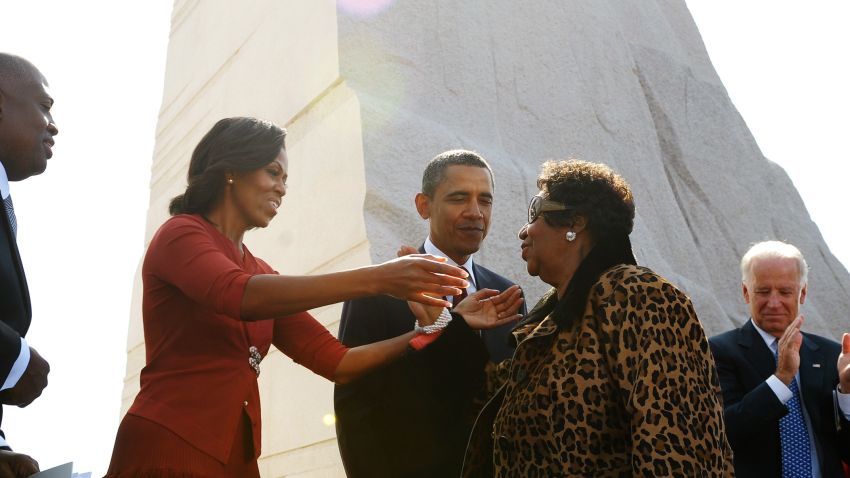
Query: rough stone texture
[[625, 82]]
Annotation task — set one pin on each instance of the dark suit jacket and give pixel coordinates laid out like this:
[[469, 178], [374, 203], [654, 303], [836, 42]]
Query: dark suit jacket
[[752, 411], [386, 426], [15, 310]]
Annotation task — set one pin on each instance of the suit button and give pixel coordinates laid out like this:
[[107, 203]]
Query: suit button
[[245, 403]]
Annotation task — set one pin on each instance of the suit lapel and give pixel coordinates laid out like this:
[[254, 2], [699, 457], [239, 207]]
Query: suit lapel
[[756, 351], [482, 278], [811, 377], [19, 267]]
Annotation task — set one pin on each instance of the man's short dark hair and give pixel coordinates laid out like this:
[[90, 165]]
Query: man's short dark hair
[[435, 171], [13, 67]]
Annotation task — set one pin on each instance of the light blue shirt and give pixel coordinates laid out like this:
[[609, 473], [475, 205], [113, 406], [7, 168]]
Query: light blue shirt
[[4, 182]]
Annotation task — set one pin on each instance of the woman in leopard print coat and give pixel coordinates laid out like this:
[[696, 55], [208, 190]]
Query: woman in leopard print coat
[[612, 374]]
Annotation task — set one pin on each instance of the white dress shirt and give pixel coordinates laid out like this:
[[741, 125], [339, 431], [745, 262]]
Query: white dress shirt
[[430, 248]]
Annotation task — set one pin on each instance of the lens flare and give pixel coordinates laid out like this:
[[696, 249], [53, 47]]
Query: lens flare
[[329, 419], [384, 97], [363, 8]]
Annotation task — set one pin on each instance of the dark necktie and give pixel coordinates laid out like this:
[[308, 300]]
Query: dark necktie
[[456, 299], [793, 435], [10, 212]]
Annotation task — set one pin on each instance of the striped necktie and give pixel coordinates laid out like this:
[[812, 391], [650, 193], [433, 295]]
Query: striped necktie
[[793, 435], [10, 212]]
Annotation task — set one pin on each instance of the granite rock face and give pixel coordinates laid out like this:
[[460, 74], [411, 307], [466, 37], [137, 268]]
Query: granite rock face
[[625, 82]]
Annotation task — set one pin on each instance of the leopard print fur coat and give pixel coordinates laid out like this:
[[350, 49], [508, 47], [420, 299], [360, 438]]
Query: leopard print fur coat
[[627, 387]]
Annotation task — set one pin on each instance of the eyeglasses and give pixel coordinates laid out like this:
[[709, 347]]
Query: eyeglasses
[[539, 205]]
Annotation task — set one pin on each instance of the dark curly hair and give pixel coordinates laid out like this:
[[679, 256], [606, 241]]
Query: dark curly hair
[[596, 192], [240, 144]]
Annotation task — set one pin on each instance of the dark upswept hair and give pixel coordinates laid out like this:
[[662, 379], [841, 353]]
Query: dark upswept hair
[[595, 192], [435, 171], [239, 144]]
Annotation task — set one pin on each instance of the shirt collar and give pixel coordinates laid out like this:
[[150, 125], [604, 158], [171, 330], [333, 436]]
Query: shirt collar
[[4, 182], [769, 340], [430, 248]]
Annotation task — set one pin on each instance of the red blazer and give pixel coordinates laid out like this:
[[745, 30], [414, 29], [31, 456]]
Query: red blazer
[[197, 380]]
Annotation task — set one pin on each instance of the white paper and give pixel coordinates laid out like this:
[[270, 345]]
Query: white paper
[[61, 471]]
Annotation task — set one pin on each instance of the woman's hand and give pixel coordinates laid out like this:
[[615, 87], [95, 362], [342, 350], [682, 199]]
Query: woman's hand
[[425, 314], [421, 278], [487, 308]]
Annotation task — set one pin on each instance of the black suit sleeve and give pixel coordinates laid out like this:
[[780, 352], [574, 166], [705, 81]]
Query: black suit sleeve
[[10, 349], [498, 341], [371, 411], [747, 413], [14, 300], [408, 418], [453, 365]]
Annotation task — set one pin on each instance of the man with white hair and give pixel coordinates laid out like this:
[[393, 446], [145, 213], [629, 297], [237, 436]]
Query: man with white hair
[[786, 393]]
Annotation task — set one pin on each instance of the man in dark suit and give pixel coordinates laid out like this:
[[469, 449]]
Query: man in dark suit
[[26, 141], [786, 393], [387, 426]]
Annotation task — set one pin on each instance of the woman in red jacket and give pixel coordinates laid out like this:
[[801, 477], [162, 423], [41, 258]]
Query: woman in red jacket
[[205, 306]]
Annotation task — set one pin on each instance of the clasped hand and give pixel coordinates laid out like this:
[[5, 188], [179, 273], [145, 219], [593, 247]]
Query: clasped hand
[[30, 385], [788, 351], [485, 309], [788, 360]]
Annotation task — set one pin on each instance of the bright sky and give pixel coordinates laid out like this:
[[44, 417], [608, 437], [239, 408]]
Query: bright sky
[[81, 224]]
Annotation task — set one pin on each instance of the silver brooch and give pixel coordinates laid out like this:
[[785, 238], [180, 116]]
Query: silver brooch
[[254, 359]]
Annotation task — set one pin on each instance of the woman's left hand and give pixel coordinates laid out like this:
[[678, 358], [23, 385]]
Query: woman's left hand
[[425, 314], [488, 309]]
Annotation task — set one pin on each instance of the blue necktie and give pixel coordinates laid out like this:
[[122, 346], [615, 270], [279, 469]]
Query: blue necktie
[[10, 212], [794, 437]]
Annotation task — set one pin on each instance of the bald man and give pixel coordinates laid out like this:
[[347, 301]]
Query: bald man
[[26, 141]]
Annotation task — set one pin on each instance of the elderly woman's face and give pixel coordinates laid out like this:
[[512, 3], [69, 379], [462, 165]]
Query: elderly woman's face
[[543, 249], [257, 195]]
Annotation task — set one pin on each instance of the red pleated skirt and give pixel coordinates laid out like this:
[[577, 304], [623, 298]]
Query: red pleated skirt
[[145, 449]]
